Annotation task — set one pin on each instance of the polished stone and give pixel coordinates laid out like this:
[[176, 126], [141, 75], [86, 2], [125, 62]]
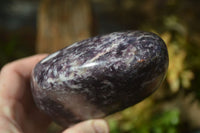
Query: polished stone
[[99, 76]]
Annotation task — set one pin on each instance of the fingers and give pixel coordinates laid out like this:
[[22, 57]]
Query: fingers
[[24, 66], [14, 75], [8, 126], [90, 126], [14, 85], [15, 97]]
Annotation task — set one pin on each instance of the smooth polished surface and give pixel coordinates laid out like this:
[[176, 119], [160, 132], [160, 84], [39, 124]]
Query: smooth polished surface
[[99, 76]]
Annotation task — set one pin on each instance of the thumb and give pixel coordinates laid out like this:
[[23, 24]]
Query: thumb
[[90, 126]]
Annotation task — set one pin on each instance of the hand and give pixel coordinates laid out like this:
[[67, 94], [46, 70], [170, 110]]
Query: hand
[[18, 113]]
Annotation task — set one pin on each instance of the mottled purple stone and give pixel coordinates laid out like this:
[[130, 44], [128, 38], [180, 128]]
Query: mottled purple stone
[[99, 76]]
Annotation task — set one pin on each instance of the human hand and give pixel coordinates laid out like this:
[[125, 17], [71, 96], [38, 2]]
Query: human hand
[[18, 113]]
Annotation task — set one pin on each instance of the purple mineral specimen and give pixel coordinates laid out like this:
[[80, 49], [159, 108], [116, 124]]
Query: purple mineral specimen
[[99, 76]]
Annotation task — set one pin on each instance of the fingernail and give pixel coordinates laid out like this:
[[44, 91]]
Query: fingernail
[[100, 126]]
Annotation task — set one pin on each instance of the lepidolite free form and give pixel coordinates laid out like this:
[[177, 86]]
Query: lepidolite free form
[[99, 76]]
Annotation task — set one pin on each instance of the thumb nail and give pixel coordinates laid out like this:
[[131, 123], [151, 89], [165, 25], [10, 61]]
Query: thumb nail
[[100, 126]]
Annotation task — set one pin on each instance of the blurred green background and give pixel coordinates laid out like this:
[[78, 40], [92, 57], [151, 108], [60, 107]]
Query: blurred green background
[[174, 108]]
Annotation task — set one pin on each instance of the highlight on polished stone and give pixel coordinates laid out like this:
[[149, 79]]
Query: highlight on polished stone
[[99, 76]]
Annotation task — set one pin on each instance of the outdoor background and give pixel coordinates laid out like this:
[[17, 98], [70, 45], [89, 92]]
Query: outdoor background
[[174, 107]]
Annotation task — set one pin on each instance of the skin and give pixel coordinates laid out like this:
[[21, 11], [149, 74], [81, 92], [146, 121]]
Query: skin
[[18, 113]]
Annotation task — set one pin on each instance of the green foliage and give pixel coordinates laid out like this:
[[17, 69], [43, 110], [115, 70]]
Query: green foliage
[[178, 73], [163, 122]]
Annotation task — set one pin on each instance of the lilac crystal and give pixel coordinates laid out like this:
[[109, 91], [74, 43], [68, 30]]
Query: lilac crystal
[[99, 76]]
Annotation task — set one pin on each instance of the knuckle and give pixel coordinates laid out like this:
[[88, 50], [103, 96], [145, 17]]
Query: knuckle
[[7, 67]]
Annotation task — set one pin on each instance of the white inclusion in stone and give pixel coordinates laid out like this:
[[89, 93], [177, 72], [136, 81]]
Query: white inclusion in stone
[[50, 56], [50, 80], [130, 57], [62, 77], [150, 45], [89, 65], [72, 45], [138, 38], [55, 73], [107, 49]]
